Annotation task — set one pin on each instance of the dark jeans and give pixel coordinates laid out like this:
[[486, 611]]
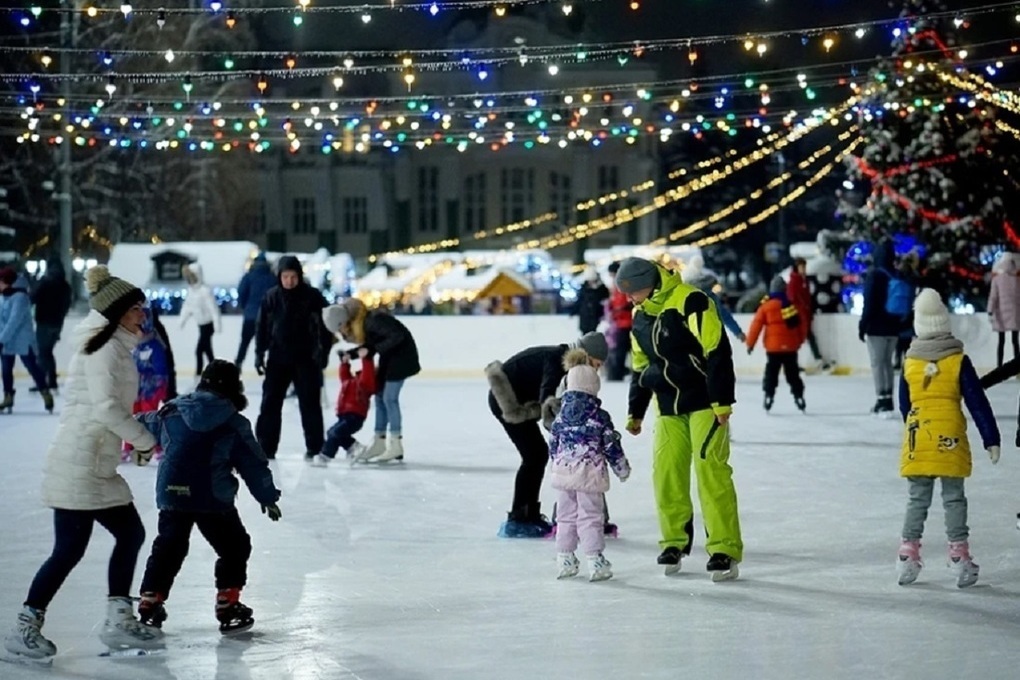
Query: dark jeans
[[813, 344], [787, 362], [224, 532], [531, 445], [204, 348], [307, 379], [341, 434], [7, 369], [617, 369], [247, 334], [72, 530], [47, 336], [1000, 351]]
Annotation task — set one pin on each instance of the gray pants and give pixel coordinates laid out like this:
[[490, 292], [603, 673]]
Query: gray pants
[[954, 502], [880, 351]]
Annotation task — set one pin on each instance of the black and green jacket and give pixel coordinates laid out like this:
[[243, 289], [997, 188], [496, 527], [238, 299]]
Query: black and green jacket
[[681, 353]]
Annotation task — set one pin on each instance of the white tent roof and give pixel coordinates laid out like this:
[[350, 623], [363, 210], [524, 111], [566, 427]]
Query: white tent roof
[[407, 268], [223, 262], [459, 279]]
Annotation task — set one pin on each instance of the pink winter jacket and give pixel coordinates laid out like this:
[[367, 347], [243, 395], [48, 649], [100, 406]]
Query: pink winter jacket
[[584, 446], [1004, 296]]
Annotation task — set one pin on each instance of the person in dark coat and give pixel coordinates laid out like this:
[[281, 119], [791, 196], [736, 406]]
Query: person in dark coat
[[253, 287], [205, 439], [384, 335], [52, 300], [518, 389], [590, 306], [291, 333], [879, 328]]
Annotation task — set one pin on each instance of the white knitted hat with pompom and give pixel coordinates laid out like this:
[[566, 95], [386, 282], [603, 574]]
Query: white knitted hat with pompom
[[930, 316]]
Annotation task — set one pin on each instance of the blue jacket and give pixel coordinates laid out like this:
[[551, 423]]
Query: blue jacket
[[254, 286], [204, 440], [17, 334]]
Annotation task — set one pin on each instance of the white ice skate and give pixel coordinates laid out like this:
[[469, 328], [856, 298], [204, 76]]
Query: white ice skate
[[319, 460], [26, 641], [962, 565], [377, 449], [599, 568], [568, 564], [124, 634], [394, 450], [908, 565]]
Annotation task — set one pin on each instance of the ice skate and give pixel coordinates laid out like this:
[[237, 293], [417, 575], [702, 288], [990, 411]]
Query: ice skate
[[599, 568], [526, 522], [722, 567], [377, 449], [670, 559], [26, 642], [8, 403], [568, 564], [310, 456], [124, 634], [801, 404], [47, 398], [962, 564], [355, 451], [883, 408], [768, 403], [320, 460], [908, 565], [394, 450], [234, 617], [151, 611]]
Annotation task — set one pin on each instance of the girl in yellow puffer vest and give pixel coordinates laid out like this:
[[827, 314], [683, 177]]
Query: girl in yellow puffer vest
[[937, 375]]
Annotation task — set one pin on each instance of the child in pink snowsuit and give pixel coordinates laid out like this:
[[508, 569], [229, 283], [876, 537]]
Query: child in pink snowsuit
[[584, 446]]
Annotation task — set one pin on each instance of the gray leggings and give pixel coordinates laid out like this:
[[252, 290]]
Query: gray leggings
[[954, 502], [880, 351]]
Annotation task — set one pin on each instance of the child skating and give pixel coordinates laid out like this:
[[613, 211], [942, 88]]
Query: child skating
[[584, 445], [356, 390], [205, 439], [937, 375], [785, 331], [157, 380]]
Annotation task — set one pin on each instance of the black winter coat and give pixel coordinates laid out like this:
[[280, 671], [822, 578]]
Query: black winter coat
[[290, 326], [536, 373], [52, 299], [388, 338], [589, 307]]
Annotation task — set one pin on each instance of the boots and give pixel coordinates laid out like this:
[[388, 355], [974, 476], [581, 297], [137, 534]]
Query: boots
[[124, 631], [47, 398], [26, 638], [909, 563], [962, 564], [394, 449], [8, 402]]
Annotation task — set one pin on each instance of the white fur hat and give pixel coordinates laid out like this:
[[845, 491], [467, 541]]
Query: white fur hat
[[584, 379], [930, 316]]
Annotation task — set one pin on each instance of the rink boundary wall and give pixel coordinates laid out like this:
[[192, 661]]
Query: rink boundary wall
[[461, 346]]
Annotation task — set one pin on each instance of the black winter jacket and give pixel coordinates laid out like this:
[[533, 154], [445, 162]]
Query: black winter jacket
[[387, 337], [536, 373], [874, 319], [290, 326], [589, 307], [52, 298]]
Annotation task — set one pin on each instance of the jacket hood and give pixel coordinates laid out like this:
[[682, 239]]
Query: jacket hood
[[54, 267], [195, 270], [668, 281], [92, 324], [204, 411], [884, 257], [289, 263], [1006, 264], [578, 407]]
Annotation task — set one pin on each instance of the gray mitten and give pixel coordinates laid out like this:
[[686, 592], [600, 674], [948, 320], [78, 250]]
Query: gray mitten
[[550, 409]]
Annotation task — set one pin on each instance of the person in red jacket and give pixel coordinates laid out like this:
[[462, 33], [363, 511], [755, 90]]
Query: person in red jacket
[[785, 329], [621, 318], [356, 390], [798, 292]]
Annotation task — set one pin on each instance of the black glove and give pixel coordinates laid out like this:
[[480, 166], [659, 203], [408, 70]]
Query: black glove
[[260, 364], [1017, 442], [750, 350], [862, 335], [273, 511]]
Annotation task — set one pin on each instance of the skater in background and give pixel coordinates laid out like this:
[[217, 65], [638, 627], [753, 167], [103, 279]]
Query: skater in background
[[200, 304], [17, 338], [785, 330], [937, 375], [591, 298], [356, 390], [887, 303], [682, 357], [1004, 305], [798, 292], [157, 379], [384, 336], [584, 445], [254, 285], [907, 271], [205, 439], [621, 313], [291, 332], [694, 274], [518, 390], [80, 479], [52, 300]]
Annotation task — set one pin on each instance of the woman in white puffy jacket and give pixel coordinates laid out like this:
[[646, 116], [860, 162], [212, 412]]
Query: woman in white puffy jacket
[[80, 478], [200, 304]]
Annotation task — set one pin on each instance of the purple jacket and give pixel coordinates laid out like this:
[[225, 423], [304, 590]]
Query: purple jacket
[[585, 445]]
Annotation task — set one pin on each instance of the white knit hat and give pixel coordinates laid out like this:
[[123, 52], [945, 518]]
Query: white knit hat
[[583, 379], [930, 316]]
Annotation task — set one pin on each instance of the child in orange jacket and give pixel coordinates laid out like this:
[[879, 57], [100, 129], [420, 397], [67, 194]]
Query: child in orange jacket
[[785, 330], [356, 390]]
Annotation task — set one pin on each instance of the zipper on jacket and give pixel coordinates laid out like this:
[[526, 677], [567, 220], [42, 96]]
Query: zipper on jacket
[[665, 371], [708, 440]]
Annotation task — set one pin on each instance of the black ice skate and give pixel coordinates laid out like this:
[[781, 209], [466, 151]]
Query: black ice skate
[[722, 567], [151, 611], [670, 559], [768, 403], [801, 404], [234, 618]]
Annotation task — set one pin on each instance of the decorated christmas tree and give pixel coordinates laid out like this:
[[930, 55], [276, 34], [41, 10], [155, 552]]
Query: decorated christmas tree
[[938, 172]]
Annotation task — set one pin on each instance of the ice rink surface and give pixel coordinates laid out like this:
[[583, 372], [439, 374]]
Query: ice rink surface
[[396, 573]]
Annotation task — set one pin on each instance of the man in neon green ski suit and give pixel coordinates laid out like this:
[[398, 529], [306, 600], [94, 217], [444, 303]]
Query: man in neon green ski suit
[[683, 358]]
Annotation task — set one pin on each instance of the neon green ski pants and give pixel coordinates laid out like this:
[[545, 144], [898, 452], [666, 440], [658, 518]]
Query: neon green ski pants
[[698, 438]]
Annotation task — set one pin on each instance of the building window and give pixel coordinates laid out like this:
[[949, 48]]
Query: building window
[[518, 190], [609, 181], [355, 212], [561, 197], [474, 202], [428, 199], [259, 219], [304, 215]]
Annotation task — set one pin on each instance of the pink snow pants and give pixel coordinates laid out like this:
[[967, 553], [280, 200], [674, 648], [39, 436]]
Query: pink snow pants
[[580, 514]]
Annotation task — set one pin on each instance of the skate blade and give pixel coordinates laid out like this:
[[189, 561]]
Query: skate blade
[[565, 575], [23, 660], [730, 574], [595, 578], [130, 653], [672, 569], [244, 628]]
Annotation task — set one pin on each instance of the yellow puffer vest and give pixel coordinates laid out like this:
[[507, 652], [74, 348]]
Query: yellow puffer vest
[[935, 440]]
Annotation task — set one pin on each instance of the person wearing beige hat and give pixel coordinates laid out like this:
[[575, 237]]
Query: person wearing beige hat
[[80, 478]]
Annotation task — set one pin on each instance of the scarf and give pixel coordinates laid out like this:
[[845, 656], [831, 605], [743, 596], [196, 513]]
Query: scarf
[[934, 347]]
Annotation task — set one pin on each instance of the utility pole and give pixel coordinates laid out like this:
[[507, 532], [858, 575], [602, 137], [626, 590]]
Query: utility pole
[[65, 246]]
